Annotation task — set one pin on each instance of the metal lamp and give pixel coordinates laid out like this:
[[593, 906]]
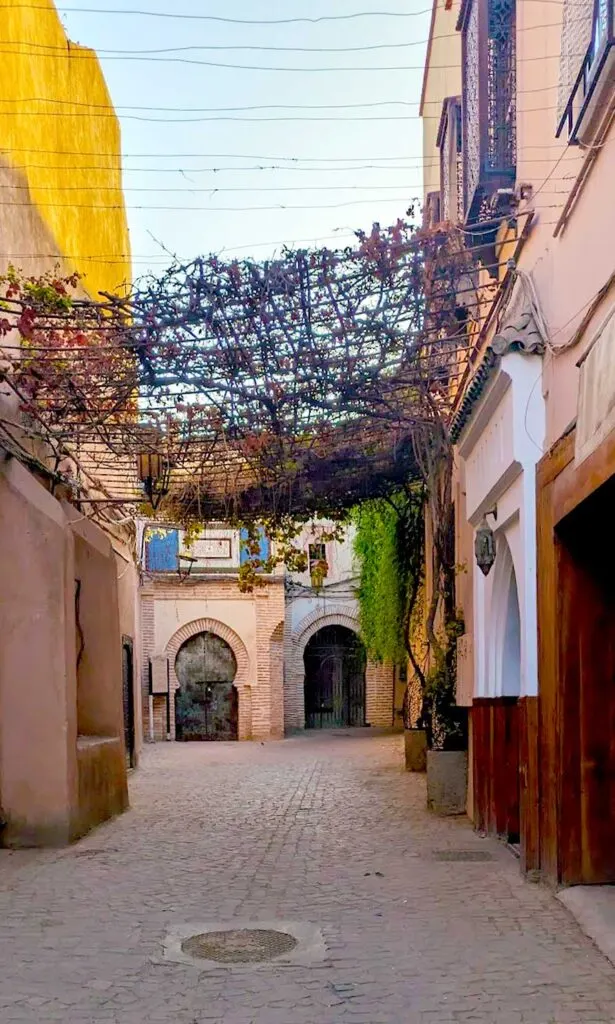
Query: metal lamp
[[485, 545], [153, 471]]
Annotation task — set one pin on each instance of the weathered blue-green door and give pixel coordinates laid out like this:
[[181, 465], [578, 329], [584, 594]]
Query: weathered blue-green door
[[206, 701]]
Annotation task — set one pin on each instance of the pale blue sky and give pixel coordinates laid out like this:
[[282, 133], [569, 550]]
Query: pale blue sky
[[156, 152]]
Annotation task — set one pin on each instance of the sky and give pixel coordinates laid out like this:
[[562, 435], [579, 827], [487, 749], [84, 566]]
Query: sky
[[361, 166]]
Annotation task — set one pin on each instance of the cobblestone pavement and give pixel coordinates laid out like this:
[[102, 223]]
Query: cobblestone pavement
[[326, 830]]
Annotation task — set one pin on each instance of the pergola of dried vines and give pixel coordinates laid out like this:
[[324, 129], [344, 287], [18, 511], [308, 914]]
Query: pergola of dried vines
[[274, 391]]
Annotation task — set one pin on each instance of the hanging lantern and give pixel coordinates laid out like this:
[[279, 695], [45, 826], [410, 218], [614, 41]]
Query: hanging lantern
[[153, 472], [484, 547]]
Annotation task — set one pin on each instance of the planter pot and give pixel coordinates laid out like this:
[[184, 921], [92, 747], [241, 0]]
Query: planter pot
[[415, 749], [447, 781]]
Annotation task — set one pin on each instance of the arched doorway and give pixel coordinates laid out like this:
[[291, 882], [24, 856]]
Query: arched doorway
[[206, 701], [511, 646], [506, 712], [334, 685]]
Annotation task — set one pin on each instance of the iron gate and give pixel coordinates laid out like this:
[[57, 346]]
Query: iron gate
[[334, 680]]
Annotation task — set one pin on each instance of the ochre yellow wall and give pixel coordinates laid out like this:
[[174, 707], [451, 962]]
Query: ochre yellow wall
[[59, 132], [441, 79]]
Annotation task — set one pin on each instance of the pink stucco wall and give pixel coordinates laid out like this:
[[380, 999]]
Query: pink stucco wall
[[568, 270], [38, 685], [51, 788]]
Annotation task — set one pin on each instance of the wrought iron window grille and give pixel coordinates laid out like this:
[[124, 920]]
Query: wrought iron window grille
[[597, 73], [488, 30]]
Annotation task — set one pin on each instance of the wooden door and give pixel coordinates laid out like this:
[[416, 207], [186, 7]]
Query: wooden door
[[206, 705]]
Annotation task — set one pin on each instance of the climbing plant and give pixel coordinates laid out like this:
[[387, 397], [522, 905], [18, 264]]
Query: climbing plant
[[389, 547], [382, 581]]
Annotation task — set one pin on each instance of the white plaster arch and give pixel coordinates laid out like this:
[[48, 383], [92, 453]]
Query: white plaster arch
[[505, 639], [242, 677]]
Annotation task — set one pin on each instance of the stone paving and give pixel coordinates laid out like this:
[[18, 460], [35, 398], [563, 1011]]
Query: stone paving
[[324, 830]]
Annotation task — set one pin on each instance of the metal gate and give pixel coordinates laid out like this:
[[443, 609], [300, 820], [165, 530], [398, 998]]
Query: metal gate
[[334, 680], [129, 699]]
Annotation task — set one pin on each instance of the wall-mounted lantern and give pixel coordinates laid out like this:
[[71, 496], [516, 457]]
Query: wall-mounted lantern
[[153, 471], [484, 544]]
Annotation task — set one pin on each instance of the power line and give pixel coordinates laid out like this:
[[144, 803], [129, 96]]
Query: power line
[[214, 190], [64, 49], [217, 170], [239, 156], [229, 21], [210, 110], [78, 55], [205, 118], [207, 209], [179, 16]]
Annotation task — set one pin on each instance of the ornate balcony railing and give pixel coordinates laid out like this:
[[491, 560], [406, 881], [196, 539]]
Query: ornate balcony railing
[[596, 76], [489, 101]]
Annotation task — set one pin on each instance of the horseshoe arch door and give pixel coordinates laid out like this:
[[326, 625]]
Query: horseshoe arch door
[[206, 701]]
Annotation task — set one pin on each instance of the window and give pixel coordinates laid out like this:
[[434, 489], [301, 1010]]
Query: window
[[431, 210], [451, 161], [161, 550], [489, 75], [587, 67], [317, 560], [264, 547]]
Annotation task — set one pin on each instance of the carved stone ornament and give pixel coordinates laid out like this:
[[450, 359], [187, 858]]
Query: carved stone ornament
[[484, 547]]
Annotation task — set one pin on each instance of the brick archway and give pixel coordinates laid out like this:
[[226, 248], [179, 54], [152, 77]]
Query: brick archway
[[294, 706], [242, 679]]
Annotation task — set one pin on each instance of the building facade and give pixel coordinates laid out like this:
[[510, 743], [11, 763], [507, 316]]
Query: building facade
[[221, 664], [69, 693], [533, 427]]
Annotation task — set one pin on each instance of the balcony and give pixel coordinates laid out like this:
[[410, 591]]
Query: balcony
[[593, 88], [489, 106]]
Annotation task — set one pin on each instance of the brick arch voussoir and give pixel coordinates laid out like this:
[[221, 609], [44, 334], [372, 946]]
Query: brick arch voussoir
[[220, 629]]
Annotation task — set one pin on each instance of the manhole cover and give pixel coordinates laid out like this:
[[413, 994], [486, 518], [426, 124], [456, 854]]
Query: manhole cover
[[461, 855], [247, 946]]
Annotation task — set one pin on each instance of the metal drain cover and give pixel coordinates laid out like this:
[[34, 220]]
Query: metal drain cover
[[247, 946], [243, 945], [462, 855]]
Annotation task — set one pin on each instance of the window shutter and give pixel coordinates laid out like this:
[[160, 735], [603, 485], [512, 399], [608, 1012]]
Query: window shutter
[[264, 546], [161, 551]]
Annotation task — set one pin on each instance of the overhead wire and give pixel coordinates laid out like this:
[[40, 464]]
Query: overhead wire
[[77, 55], [64, 49], [305, 19]]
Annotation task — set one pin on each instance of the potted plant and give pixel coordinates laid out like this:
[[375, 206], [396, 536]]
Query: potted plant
[[415, 733], [447, 731]]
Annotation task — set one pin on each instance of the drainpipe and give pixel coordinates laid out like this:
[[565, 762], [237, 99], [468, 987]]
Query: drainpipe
[[168, 701], [150, 702]]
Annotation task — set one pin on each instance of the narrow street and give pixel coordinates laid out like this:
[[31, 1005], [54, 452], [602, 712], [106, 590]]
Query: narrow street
[[325, 830]]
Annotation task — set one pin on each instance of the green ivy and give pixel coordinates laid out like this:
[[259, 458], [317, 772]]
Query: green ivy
[[382, 581]]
